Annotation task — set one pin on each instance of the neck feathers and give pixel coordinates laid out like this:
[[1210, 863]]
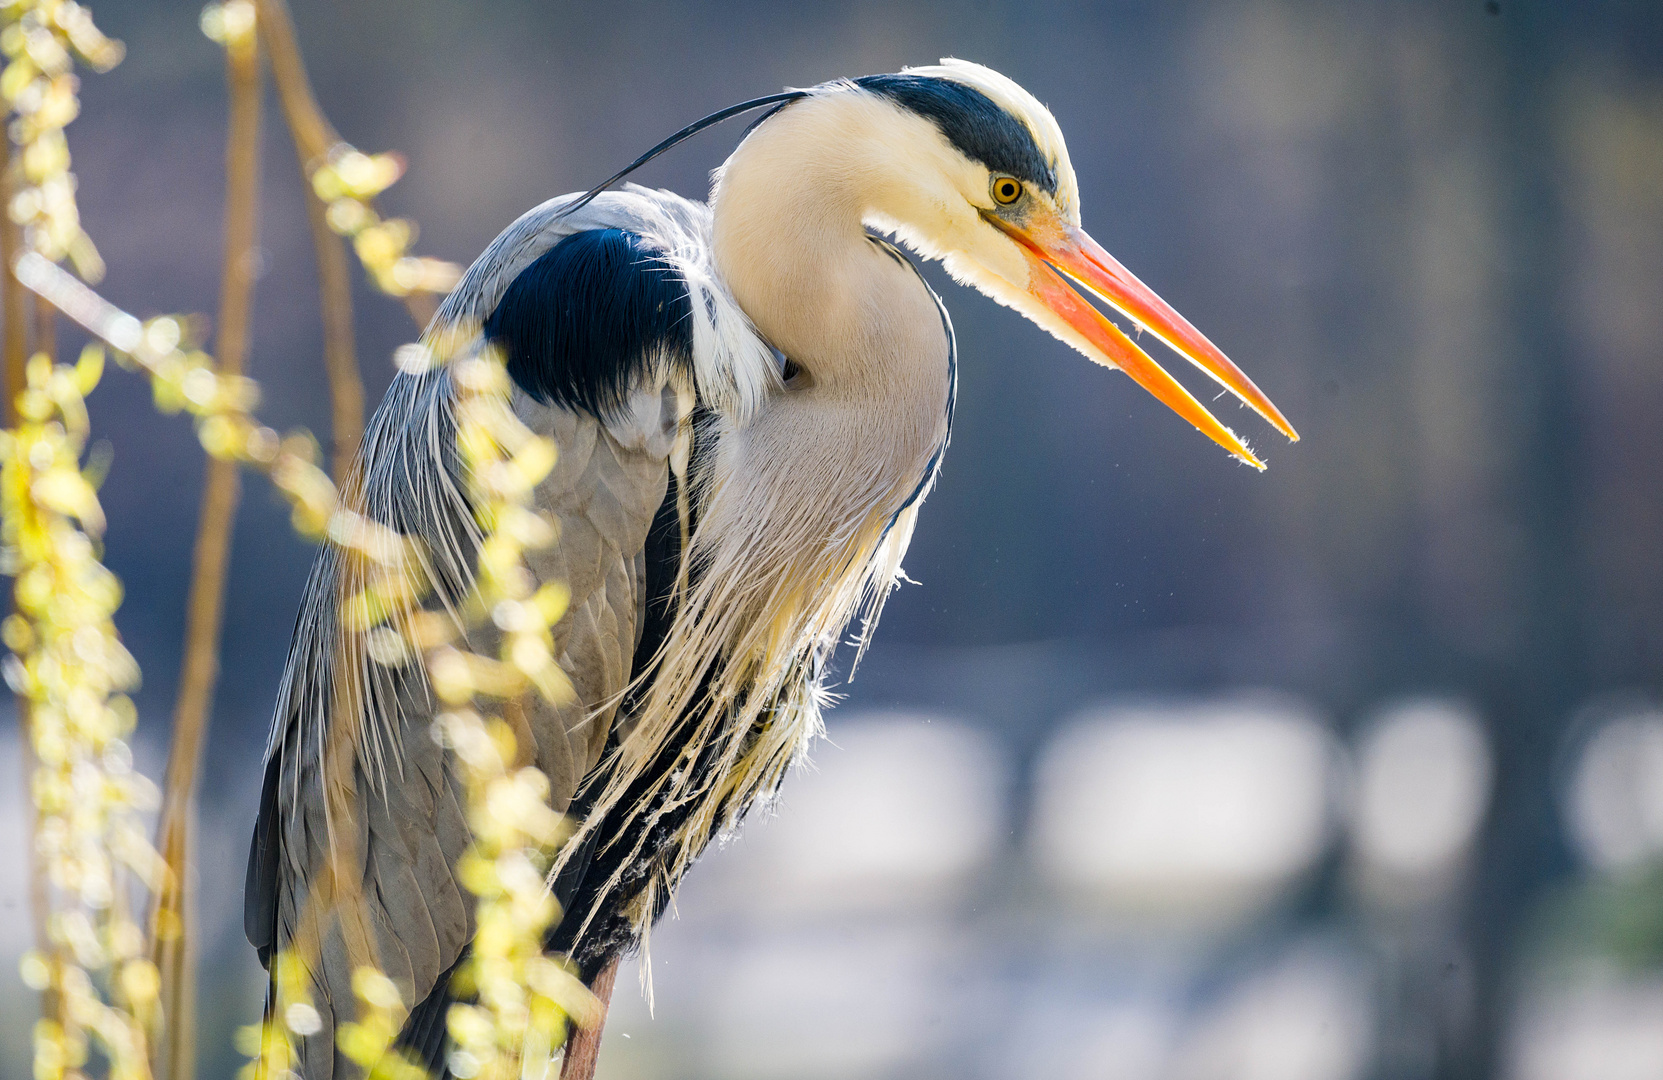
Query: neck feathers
[[806, 509], [791, 209]]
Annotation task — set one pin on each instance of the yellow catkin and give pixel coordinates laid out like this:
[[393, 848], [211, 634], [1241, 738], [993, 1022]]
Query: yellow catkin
[[67, 659], [348, 180], [67, 663], [40, 40], [524, 999], [70, 665]]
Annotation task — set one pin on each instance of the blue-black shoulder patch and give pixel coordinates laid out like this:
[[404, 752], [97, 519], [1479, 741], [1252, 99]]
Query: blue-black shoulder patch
[[585, 322], [972, 122]]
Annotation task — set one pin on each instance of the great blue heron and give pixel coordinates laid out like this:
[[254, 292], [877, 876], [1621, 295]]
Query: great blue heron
[[751, 401]]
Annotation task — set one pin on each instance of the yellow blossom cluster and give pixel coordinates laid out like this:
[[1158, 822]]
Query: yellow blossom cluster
[[368, 1040], [345, 179], [40, 40], [348, 181], [70, 667], [523, 998], [183, 379], [68, 662], [268, 1044], [230, 24]]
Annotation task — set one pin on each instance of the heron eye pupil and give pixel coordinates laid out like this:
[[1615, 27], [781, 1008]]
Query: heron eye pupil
[[1006, 191]]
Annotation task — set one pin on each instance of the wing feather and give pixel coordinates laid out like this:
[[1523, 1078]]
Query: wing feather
[[609, 483]]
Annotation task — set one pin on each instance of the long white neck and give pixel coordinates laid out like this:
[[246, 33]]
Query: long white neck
[[806, 506], [804, 494]]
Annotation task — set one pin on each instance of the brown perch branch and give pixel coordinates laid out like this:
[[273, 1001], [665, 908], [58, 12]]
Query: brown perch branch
[[583, 1046], [171, 938]]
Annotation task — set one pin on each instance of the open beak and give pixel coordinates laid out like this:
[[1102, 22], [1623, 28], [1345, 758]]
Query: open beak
[[1054, 248]]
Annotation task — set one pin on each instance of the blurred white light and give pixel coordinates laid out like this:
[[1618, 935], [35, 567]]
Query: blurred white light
[[893, 807], [1616, 793], [17, 1007], [1602, 1031], [819, 1008], [824, 1003], [1205, 802], [1306, 1019], [1126, 1040], [1422, 787]]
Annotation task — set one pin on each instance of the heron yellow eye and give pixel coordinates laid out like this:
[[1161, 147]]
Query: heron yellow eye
[[1006, 190]]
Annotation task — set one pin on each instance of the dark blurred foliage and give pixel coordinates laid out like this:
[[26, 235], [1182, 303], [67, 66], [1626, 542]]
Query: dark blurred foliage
[[1432, 232]]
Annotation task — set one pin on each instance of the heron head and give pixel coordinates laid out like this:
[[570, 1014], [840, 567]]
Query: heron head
[[985, 185]]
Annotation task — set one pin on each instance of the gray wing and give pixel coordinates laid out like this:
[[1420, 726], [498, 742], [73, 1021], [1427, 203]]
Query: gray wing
[[609, 482]]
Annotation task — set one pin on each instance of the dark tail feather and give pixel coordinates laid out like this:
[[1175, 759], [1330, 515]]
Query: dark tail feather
[[261, 885], [424, 1035]]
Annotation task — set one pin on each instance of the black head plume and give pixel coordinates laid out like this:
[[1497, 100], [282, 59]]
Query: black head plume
[[685, 133]]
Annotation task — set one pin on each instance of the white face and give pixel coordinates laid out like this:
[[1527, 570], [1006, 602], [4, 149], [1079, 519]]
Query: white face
[[937, 201], [863, 155], [942, 204], [1023, 246]]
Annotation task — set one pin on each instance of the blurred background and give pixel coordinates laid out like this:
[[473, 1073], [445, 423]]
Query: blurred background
[[1167, 769]]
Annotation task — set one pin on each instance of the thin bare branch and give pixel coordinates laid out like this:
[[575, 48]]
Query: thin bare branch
[[314, 137], [422, 306], [14, 337], [346, 385], [45, 327], [171, 936], [14, 351]]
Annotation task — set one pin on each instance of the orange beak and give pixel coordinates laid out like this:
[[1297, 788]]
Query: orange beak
[[1054, 248]]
